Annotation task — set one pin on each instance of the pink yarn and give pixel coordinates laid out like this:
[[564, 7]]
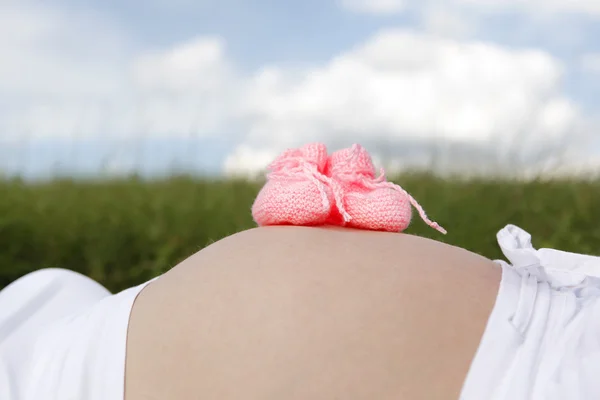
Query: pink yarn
[[370, 202], [297, 191], [305, 187]]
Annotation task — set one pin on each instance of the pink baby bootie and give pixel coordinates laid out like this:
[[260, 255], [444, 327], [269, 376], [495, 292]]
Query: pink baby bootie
[[297, 191], [365, 201]]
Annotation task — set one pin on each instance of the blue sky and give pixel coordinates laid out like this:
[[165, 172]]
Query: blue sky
[[111, 86]]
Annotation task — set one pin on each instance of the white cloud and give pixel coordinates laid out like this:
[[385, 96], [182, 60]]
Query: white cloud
[[66, 74], [404, 86], [49, 74], [48, 53], [533, 7], [185, 68], [246, 161], [446, 21], [536, 6], [398, 92], [190, 88], [377, 7], [591, 63]]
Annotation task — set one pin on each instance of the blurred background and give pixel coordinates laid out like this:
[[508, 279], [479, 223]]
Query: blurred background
[[133, 133]]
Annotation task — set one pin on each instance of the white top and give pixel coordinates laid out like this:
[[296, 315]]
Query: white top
[[63, 337], [542, 339]]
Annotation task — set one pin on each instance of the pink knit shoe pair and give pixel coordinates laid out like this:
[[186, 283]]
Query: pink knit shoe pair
[[307, 187]]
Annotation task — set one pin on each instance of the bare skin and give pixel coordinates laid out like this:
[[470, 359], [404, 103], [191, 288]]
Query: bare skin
[[294, 313]]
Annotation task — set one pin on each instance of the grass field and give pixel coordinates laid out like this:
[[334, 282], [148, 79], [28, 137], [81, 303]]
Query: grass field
[[123, 232]]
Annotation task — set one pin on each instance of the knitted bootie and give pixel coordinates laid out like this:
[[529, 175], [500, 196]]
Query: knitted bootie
[[297, 191], [365, 201]]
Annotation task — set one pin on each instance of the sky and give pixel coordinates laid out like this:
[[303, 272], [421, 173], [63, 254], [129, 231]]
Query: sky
[[156, 86]]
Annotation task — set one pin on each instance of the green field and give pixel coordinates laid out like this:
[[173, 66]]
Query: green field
[[124, 232]]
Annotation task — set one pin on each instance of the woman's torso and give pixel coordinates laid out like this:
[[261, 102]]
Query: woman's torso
[[298, 313]]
